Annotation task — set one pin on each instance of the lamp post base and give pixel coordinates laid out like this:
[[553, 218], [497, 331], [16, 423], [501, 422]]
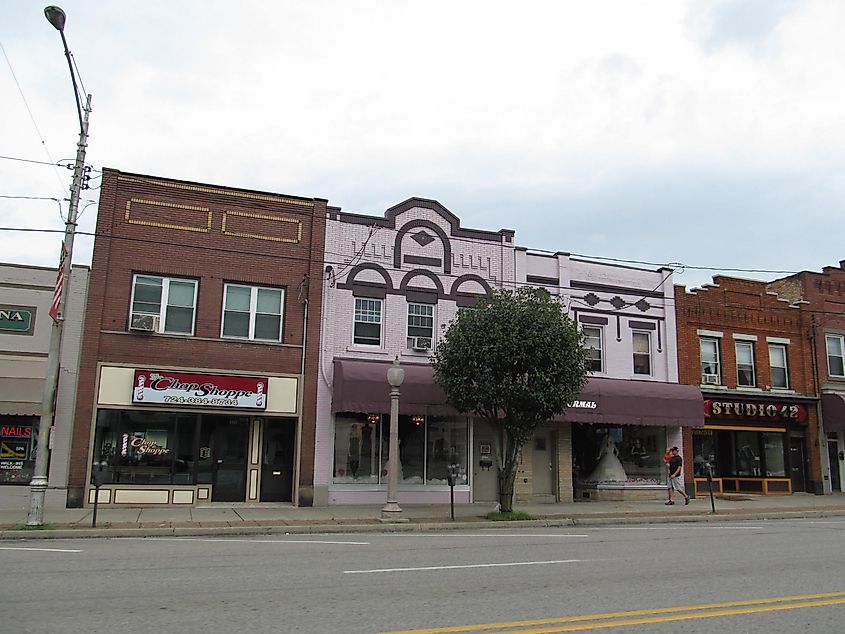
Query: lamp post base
[[392, 513]]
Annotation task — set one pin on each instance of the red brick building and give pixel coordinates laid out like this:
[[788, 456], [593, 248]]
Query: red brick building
[[198, 373], [749, 351], [824, 296]]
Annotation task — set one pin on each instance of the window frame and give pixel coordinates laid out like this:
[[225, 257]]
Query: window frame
[[840, 339], [408, 325], [378, 301], [785, 367], [649, 355], [600, 329], [164, 302], [750, 344], [253, 312], [718, 362]]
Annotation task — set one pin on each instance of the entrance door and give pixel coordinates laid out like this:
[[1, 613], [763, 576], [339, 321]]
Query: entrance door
[[796, 464], [229, 442], [277, 462], [485, 485], [543, 466], [833, 455]]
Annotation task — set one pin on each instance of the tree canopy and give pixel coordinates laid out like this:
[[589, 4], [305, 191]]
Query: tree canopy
[[516, 359]]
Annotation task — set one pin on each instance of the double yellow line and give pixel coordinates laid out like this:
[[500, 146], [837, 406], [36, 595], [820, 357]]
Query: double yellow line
[[641, 617]]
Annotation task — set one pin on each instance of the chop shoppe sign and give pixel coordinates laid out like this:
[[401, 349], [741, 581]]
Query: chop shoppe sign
[[184, 389]]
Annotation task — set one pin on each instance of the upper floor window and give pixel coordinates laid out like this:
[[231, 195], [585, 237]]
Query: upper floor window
[[710, 370], [777, 363], [163, 304], [745, 364], [367, 327], [593, 341], [420, 326], [252, 312], [642, 352], [835, 355]]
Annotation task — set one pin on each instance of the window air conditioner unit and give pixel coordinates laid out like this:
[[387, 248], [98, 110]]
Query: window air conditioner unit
[[143, 323], [711, 379], [421, 343]]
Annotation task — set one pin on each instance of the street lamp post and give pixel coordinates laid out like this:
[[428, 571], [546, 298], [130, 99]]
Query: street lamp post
[[391, 510], [38, 484]]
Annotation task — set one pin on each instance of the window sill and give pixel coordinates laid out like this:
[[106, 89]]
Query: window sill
[[370, 349], [710, 386], [747, 388], [782, 390]]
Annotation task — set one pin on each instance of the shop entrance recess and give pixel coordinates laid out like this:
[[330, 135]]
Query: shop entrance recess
[[227, 438], [796, 463], [277, 461], [834, 458]]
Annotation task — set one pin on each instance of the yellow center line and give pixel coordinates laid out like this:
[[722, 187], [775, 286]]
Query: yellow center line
[[673, 614]]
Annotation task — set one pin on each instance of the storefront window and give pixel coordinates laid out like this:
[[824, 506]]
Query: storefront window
[[357, 449], [428, 446], [18, 441], [623, 453], [747, 453], [134, 447], [446, 447], [774, 454], [704, 451]]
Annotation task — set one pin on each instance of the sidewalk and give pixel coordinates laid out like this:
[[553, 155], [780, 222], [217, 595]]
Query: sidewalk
[[242, 519]]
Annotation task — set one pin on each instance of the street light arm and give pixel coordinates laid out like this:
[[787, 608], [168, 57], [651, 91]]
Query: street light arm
[[73, 80]]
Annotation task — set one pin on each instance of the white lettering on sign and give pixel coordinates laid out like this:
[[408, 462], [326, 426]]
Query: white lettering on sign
[[584, 404]]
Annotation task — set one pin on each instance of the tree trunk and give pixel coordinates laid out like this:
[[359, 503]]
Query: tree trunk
[[506, 480]]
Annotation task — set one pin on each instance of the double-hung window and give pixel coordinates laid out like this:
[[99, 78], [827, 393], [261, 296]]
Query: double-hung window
[[835, 355], [367, 326], [745, 376], [642, 352], [420, 326], [778, 366], [593, 341], [169, 303], [253, 312], [710, 374]]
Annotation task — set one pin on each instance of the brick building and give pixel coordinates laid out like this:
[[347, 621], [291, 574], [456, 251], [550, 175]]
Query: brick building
[[824, 296], [749, 351], [198, 373]]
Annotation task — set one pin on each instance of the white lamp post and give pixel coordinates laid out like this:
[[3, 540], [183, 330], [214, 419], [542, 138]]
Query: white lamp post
[[391, 510], [38, 485]]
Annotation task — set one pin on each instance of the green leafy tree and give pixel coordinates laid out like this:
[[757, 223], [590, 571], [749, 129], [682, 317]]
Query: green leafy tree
[[516, 359]]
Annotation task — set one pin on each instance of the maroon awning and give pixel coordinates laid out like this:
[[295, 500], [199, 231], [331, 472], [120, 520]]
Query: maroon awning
[[833, 411], [361, 386], [622, 402]]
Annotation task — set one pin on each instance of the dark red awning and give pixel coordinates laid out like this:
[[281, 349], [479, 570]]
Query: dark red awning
[[361, 386], [833, 411]]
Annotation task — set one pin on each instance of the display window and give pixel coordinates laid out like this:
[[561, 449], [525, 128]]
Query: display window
[[18, 442], [428, 448], [742, 453], [629, 454]]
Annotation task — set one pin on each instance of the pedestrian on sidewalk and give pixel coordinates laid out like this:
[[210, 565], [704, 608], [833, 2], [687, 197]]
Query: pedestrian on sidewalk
[[676, 467]]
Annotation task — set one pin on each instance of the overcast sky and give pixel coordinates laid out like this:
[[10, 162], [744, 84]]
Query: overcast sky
[[705, 133]]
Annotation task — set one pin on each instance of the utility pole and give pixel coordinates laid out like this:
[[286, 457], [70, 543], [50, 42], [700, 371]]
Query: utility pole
[[38, 484]]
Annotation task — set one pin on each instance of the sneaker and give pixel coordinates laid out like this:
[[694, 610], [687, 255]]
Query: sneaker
[[686, 501], [669, 503]]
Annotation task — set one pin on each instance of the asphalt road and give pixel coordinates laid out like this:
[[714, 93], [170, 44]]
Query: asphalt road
[[773, 576]]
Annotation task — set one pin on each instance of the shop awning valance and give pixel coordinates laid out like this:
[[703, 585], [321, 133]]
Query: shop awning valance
[[361, 386], [833, 411]]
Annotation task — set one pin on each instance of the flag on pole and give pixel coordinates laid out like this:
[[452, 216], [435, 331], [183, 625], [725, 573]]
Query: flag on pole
[[60, 284]]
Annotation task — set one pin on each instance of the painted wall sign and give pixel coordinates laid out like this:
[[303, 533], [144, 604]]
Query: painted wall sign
[[755, 410], [17, 319], [185, 389]]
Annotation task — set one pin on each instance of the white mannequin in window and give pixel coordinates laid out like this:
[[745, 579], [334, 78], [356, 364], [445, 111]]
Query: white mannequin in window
[[609, 467]]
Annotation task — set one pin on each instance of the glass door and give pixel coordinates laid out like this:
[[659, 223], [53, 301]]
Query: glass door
[[229, 442]]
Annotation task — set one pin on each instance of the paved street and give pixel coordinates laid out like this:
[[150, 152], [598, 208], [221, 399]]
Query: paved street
[[725, 577]]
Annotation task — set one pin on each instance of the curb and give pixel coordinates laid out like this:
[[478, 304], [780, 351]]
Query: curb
[[414, 526]]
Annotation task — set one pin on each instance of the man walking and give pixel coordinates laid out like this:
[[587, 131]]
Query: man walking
[[676, 467]]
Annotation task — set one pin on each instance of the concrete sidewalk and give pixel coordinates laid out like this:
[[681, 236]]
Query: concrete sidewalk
[[242, 519]]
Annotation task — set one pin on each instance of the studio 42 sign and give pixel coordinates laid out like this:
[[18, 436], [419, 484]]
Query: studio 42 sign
[[755, 410], [198, 390]]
